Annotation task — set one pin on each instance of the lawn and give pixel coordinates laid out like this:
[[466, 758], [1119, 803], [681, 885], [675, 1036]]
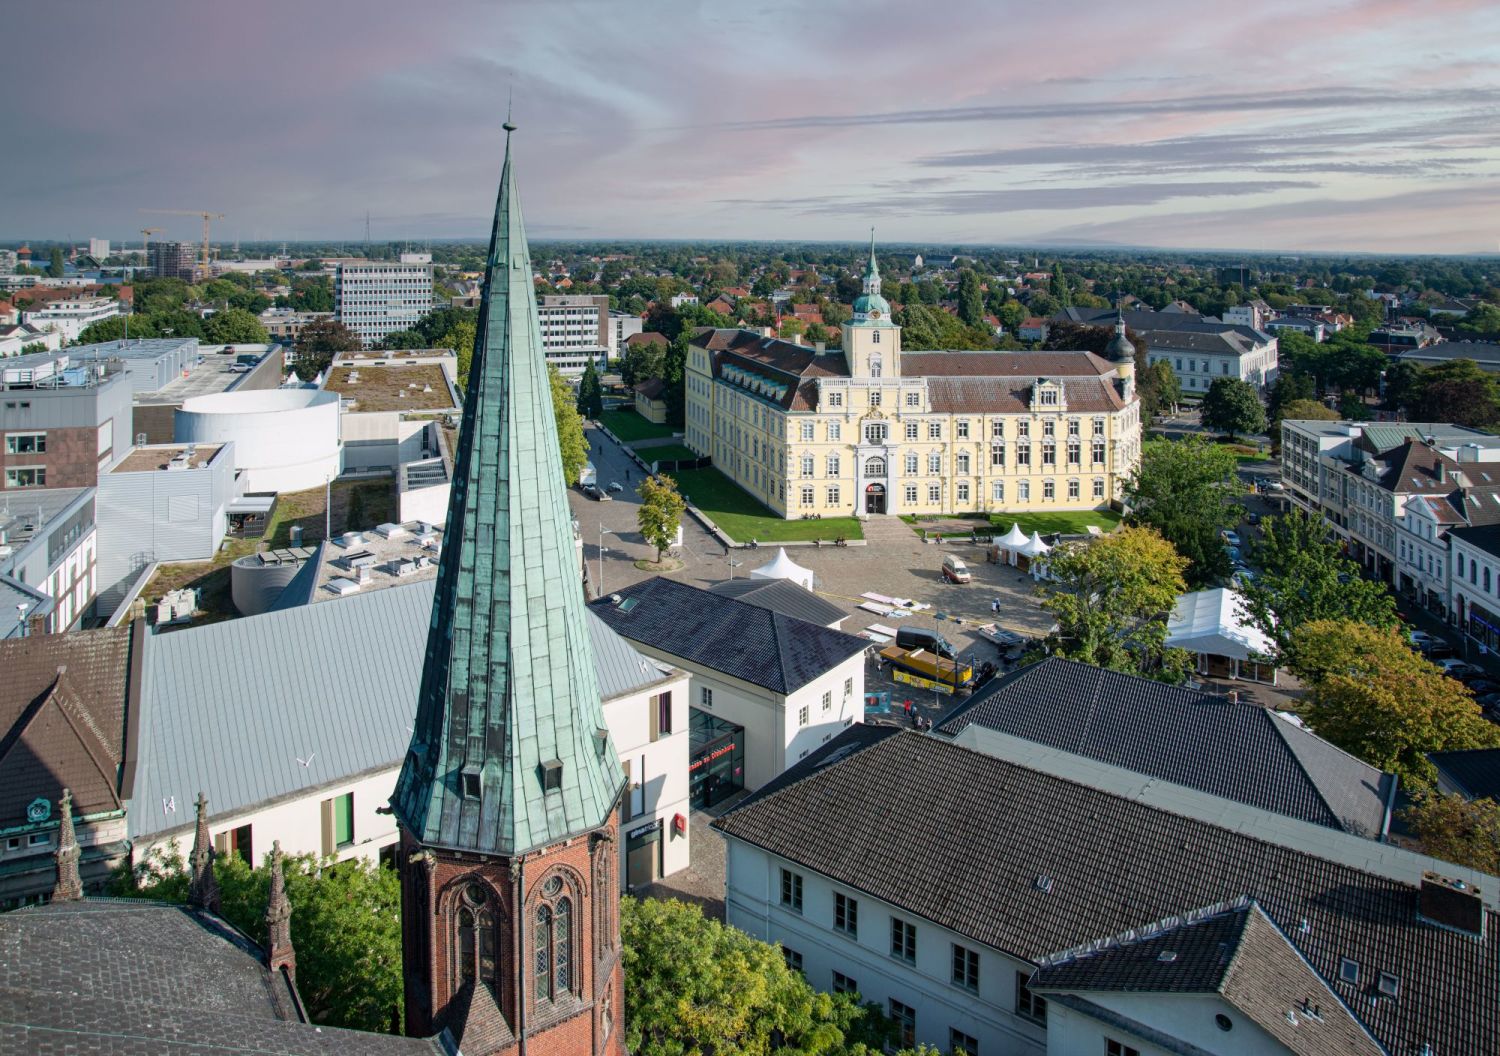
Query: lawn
[[743, 519], [1066, 522], [667, 453], [629, 426]]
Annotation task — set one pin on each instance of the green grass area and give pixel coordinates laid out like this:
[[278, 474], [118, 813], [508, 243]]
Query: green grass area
[[1068, 522], [734, 511], [667, 453], [628, 426]]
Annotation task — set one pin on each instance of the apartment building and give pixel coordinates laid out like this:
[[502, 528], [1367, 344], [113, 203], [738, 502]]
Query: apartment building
[[70, 317], [62, 422], [376, 297], [174, 260], [1199, 349], [577, 328]]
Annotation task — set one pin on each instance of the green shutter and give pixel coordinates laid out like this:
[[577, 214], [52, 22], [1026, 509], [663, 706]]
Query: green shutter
[[343, 820]]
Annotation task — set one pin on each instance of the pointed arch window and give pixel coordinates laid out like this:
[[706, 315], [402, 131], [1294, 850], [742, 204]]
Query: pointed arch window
[[544, 953], [554, 944], [476, 942]]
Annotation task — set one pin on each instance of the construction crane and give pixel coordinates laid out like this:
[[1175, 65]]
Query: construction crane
[[146, 233], [207, 218]]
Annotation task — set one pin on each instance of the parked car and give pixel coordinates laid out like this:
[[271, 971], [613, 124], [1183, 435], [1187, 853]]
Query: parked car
[[1460, 669], [1230, 537], [1254, 518], [1489, 703], [1438, 651], [1422, 640], [616, 486], [1484, 687], [1235, 557], [1242, 577], [911, 638], [955, 571]]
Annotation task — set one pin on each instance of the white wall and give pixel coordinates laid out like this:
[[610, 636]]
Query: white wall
[[1186, 1017], [752, 904], [285, 439], [823, 725], [658, 769]]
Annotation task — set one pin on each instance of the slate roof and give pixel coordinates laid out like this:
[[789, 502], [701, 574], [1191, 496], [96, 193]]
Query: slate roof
[[783, 596], [137, 978], [508, 686], [1235, 951], [1003, 365], [1240, 751], [355, 666], [1485, 537], [1031, 864], [651, 388], [65, 728], [742, 640], [1013, 395], [1475, 772]]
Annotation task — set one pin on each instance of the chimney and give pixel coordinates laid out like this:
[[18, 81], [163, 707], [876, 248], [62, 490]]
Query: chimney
[[820, 347], [796, 339], [1451, 904], [69, 887], [203, 887], [280, 953]]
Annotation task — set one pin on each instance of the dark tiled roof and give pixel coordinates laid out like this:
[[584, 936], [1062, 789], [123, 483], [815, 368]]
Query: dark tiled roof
[[1003, 365], [651, 388], [783, 596], [134, 977], [1242, 752], [1484, 537], [63, 729], [1013, 395], [742, 640], [1031, 864], [1413, 468], [1237, 952], [647, 337], [1475, 772]]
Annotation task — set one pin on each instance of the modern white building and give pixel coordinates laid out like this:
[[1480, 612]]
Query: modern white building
[[71, 317], [577, 328], [767, 688], [49, 557], [284, 439], [375, 297], [321, 697]]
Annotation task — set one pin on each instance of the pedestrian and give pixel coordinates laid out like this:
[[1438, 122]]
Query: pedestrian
[[995, 605]]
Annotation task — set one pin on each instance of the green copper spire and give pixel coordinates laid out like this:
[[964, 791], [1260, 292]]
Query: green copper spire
[[871, 309], [509, 751], [872, 272]]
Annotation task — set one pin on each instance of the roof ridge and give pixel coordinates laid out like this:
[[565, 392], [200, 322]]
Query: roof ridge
[[1151, 930]]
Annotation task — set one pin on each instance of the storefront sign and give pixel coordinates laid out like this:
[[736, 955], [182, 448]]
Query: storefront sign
[[704, 760], [643, 830]]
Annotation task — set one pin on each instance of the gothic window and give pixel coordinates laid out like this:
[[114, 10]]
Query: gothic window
[[476, 940], [544, 952], [562, 937], [465, 945]]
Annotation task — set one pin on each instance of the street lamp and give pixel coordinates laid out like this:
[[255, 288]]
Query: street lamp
[[733, 564]]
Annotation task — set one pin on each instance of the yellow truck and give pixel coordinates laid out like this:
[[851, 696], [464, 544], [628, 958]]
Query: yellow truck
[[954, 674]]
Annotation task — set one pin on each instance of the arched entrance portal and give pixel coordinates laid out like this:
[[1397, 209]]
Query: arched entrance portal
[[875, 498]]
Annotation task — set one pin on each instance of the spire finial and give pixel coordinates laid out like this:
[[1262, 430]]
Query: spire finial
[[69, 887], [280, 953], [203, 886], [510, 98]]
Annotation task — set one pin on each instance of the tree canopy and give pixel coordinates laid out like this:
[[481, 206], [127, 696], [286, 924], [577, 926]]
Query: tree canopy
[[590, 392], [317, 344], [234, 326], [1304, 575], [1186, 491], [1233, 406], [573, 447], [1112, 597], [660, 512], [1456, 830], [1373, 696]]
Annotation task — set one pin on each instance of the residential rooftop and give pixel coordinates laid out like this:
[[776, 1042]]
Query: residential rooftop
[[403, 387]]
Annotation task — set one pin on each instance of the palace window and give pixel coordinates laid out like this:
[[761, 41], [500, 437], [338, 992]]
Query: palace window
[[914, 399], [963, 429], [1049, 397], [1073, 426], [833, 495], [807, 465], [807, 495], [963, 492], [997, 429], [875, 396], [1023, 427], [875, 337], [911, 465], [1023, 491], [835, 399], [911, 494], [1075, 452], [934, 430], [1049, 490], [997, 489], [1099, 451], [911, 430], [1098, 426], [1023, 455], [961, 462], [835, 430], [1049, 452], [934, 493], [875, 467], [833, 465], [875, 432], [1049, 428], [1098, 487], [1073, 489], [807, 430], [934, 463], [997, 455]]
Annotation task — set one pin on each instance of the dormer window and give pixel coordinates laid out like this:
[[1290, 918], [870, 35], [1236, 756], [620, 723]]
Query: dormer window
[[470, 782], [1390, 984], [1348, 971], [552, 771], [1049, 397]]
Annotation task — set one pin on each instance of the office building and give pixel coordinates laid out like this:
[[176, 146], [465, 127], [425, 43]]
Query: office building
[[174, 260], [375, 297], [69, 317], [63, 423]]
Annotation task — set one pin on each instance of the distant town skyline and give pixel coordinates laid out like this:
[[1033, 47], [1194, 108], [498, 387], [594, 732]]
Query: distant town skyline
[[1361, 126]]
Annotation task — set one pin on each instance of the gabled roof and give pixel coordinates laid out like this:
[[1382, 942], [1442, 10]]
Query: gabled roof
[[783, 596], [742, 640], [651, 388], [131, 977], [1234, 951], [1412, 468], [1030, 864], [64, 713], [1242, 752], [1003, 365]]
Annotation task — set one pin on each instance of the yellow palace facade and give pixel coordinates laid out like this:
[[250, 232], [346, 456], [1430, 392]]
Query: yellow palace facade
[[871, 430]]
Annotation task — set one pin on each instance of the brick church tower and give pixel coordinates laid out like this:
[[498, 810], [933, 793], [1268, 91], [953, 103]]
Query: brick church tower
[[507, 797]]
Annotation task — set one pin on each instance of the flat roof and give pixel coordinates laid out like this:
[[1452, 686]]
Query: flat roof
[[158, 456], [406, 554], [211, 375], [394, 387]]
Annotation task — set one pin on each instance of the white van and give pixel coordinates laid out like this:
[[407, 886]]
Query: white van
[[955, 571]]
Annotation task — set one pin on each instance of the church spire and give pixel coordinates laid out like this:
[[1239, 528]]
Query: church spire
[[69, 887], [280, 953], [203, 886], [509, 751]]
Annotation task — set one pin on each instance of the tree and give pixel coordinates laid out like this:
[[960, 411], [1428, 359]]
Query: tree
[[643, 360], [590, 392], [461, 339], [1455, 830], [234, 326], [1308, 411], [701, 988], [970, 299], [1059, 285], [404, 339], [1403, 383], [317, 344], [1233, 406], [1160, 388], [1375, 698], [1304, 576], [660, 512], [674, 373], [573, 448], [114, 329], [1458, 391], [55, 263], [1187, 491], [346, 923], [1111, 597]]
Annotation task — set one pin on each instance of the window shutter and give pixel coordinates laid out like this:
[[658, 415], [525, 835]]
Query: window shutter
[[327, 810]]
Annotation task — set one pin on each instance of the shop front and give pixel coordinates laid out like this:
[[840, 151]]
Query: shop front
[[716, 759], [643, 846]]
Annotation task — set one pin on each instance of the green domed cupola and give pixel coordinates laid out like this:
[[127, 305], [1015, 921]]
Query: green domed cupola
[[1119, 349], [871, 309]]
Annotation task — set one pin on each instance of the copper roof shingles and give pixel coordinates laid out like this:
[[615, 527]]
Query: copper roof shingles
[[969, 857]]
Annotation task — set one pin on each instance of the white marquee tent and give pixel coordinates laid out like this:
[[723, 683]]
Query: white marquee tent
[[1216, 626], [784, 567]]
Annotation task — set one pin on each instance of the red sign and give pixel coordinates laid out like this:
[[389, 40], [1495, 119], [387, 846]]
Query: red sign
[[711, 756]]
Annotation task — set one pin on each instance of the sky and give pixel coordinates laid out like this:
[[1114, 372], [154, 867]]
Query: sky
[[1350, 125]]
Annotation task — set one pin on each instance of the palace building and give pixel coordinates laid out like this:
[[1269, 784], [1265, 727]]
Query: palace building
[[872, 429]]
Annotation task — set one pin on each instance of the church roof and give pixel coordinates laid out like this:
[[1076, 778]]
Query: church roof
[[509, 751]]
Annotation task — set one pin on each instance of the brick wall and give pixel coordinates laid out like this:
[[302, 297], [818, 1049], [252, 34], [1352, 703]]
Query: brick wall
[[71, 458]]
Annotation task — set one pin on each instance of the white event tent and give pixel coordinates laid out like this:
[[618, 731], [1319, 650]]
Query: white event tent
[[784, 567], [1215, 625]]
